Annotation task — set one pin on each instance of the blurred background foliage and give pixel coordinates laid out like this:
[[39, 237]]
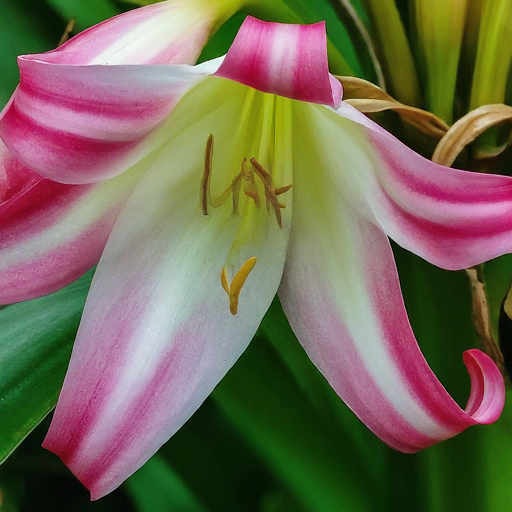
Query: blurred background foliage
[[274, 437]]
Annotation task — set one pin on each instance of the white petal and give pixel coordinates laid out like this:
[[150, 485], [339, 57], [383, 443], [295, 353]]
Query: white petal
[[157, 333]]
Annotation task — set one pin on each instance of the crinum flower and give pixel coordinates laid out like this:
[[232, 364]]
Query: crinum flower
[[227, 182]]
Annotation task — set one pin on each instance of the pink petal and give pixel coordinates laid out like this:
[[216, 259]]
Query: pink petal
[[342, 297], [163, 33], [157, 334], [82, 124], [288, 60], [452, 218], [50, 233]]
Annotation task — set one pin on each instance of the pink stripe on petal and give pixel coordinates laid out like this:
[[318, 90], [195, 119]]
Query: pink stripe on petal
[[83, 399], [87, 124], [452, 218], [487, 387], [51, 233], [57, 268], [288, 60], [61, 156], [347, 373], [159, 393], [413, 367], [341, 294], [157, 334], [163, 33], [15, 179]]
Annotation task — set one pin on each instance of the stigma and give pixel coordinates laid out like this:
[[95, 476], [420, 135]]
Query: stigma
[[233, 290]]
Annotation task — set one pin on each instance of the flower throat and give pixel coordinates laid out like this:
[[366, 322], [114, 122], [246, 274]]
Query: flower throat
[[246, 180]]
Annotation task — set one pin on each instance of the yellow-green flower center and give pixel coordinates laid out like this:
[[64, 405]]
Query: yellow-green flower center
[[270, 139]]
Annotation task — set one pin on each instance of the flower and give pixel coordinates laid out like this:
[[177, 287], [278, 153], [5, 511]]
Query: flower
[[245, 174]]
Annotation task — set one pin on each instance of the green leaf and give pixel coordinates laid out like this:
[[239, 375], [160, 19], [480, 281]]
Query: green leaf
[[439, 307], [367, 448], [216, 463], [156, 486], [439, 31], [361, 40], [494, 54], [497, 461], [86, 13], [317, 463], [23, 32], [11, 492], [35, 346]]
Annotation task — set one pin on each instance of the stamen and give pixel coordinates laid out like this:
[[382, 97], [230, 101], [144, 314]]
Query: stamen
[[250, 189], [271, 192], [234, 290], [264, 175], [224, 196], [224, 280], [205, 182], [237, 183], [282, 190]]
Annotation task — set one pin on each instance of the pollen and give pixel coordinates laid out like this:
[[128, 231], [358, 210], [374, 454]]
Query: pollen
[[235, 288]]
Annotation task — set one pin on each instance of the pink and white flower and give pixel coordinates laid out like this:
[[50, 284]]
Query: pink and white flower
[[187, 171]]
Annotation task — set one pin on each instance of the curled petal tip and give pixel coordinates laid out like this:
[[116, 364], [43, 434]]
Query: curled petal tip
[[487, 397]]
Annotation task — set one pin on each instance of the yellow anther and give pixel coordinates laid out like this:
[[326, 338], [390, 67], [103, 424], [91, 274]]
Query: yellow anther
[[235, 288]]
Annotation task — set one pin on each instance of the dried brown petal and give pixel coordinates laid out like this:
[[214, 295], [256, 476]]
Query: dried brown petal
[[481, 317], [368, 98], [467, 129]]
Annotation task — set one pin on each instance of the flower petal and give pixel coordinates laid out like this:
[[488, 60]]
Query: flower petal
[[157, 333], [342, 297], [82, 124], [452, 218], [172, 32], [288, 60], [50, 233]]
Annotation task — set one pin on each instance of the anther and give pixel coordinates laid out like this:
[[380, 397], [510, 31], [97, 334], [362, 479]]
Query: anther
[[250, 189], [271, 192], [235, 288], [282, 190], [205, 182]]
